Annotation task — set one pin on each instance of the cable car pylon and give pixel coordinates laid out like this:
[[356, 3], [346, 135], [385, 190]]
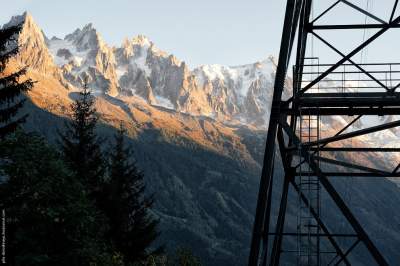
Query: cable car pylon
[[318, 91]]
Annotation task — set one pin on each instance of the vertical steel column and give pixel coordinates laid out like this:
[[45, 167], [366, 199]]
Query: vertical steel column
[[261, 217], [276, 249]]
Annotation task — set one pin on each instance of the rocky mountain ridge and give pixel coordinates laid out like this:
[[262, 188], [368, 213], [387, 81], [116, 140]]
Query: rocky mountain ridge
[[234, 95]]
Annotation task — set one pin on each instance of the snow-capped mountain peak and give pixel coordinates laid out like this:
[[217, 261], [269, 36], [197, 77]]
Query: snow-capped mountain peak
[[142, 41], [237, 94], [86, 38], [84, 53]]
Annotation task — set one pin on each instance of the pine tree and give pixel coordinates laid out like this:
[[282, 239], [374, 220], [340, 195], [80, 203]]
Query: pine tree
[[184, 257], [10, 85], [50, 220], [81, 146], [132, 228]]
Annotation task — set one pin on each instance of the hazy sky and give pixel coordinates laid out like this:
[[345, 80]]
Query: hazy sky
[[229, 32]]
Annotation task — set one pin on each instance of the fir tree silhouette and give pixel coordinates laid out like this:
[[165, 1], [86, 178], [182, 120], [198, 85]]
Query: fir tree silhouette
[[132, 228], [10, 85], [81, 145]]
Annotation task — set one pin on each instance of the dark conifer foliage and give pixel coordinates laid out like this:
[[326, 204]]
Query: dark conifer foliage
[[184, 257], [10, 85], [81, 146], [50, 220], [132, 228]]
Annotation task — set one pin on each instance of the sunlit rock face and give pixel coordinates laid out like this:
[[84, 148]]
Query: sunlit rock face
[[83, 55], [234, 95], [33, 49]]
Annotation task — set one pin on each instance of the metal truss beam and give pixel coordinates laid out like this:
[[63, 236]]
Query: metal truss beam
[[374, 95], [348, 251], [355, 149], [306, 103], [348, 102], [353, 134], [396, 169], [384, 28], [351, 165], [326, 11], [363, 11], [351, 174], [351, 61], [354, 26], [344, 111], [325, 235], [320, 222], [393, 10], [337, 199]]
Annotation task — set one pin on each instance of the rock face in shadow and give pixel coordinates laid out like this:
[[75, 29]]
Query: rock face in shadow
[[206, 200]]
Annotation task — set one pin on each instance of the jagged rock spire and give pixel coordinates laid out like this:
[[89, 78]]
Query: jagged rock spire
[[33, 50]]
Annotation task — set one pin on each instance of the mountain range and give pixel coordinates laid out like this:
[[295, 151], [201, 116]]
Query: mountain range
[[198, 134], [239, 94]]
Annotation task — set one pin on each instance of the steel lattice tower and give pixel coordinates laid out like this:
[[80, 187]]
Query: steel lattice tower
[[319, 91]]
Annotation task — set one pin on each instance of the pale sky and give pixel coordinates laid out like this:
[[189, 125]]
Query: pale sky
[[228, 32]]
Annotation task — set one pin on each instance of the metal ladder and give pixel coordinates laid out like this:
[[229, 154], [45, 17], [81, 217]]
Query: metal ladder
[[308, 230]]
